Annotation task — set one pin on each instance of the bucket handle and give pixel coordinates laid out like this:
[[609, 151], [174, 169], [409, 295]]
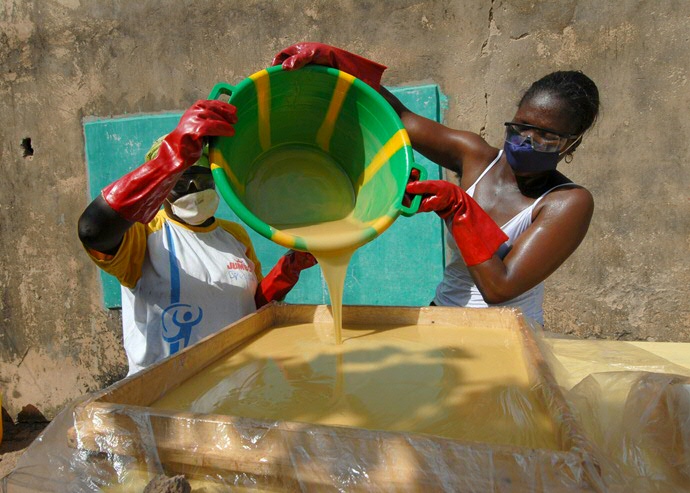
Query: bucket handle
[[219, 89], [412, 209]]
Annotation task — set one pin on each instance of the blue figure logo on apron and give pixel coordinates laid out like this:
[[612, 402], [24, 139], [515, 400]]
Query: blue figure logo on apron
[[178, 318]]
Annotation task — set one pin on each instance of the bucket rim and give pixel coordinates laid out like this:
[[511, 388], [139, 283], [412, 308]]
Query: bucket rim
[[288, 240]]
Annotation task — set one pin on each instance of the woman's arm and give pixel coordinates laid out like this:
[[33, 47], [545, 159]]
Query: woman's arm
[[137, 196], [559, 228], [452, 149], [101, 228]]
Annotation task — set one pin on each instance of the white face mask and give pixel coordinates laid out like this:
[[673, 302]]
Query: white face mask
[[195, 208]]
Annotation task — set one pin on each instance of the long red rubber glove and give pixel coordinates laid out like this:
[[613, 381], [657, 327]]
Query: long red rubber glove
[[300, 54], [283, 277], [476, 234], [138, 195]]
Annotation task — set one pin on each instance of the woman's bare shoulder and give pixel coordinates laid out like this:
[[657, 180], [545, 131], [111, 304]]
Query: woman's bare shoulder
[[478, 155], [568, 199]]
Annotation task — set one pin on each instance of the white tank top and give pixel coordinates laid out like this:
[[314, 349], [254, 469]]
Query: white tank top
[[458, 288]]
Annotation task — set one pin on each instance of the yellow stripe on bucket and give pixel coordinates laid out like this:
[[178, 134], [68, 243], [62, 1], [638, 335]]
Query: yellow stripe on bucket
[[380, 224], [218, 161], [263, 99], [394, 144], [281, 238], [323, 136]]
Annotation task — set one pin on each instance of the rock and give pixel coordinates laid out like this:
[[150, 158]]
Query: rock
[[164, 484]]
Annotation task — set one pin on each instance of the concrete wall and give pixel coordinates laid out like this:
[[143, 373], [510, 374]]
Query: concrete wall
[[63, 60]]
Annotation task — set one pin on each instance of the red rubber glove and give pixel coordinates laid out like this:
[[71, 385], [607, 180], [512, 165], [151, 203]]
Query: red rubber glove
[[476, 234], [300, 54], [138, 195], [283, 277]]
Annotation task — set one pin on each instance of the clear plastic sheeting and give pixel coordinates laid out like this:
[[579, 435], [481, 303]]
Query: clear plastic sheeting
[[640, 422], [634, 407], [290, 458], [621, 422], [572, 360]]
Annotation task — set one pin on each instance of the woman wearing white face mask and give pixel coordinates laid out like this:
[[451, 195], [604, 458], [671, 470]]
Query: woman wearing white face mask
[[193, 199], [184, 273]]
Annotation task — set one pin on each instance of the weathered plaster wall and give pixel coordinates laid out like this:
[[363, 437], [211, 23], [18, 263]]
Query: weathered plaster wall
[[63, 60]]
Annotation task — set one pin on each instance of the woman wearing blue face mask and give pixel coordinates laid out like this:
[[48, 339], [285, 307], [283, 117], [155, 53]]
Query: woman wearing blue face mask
[[543, 216]]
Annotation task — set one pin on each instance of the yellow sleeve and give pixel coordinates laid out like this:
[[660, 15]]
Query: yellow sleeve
[[126, 264], [241, 234]]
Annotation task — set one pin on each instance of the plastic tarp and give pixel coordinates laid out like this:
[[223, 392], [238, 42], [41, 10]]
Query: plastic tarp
[[634, 408]]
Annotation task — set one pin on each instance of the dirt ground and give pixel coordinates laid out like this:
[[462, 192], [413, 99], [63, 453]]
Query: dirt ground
[[16, 438]]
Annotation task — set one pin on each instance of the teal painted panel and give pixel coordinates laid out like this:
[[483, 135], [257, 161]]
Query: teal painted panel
[[400, 268], [114, 147], [403, 266]]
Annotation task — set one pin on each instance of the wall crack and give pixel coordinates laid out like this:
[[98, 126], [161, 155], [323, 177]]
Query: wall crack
[[484, 53]]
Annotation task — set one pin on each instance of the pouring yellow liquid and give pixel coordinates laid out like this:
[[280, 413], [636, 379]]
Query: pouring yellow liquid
[[440, 380], [333, 263], [303, 191]]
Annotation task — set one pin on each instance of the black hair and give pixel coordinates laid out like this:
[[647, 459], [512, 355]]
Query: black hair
[[575, 89]]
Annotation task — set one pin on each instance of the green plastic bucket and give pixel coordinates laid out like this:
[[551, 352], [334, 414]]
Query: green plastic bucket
[[316, 116]]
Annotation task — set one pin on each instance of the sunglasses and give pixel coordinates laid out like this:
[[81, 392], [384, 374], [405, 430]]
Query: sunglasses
[[540, 139], [200, 182]]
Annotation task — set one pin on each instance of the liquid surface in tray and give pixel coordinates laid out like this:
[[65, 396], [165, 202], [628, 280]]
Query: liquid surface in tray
[[463, 383]]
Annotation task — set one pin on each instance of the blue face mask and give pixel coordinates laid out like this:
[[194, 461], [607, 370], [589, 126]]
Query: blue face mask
[[522, 158]]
